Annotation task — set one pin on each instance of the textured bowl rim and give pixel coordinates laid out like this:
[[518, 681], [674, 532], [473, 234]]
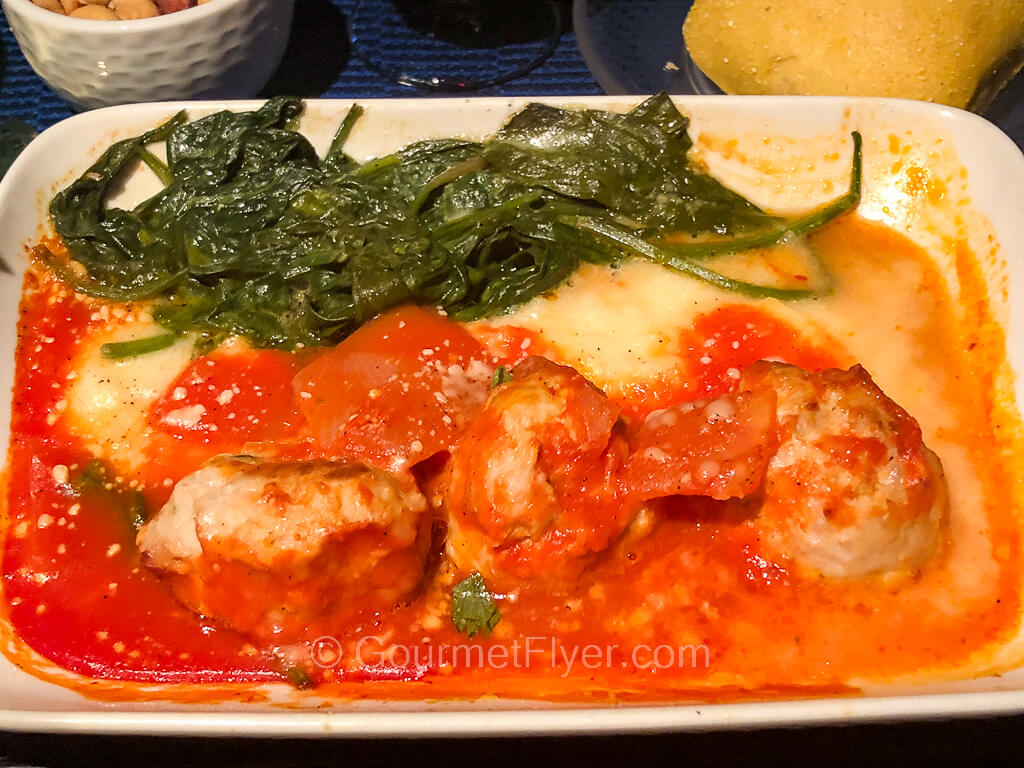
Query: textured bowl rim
[[197, 14]]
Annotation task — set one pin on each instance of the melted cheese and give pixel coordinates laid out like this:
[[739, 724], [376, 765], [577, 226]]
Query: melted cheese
[[109, 401], [622, 327], [617, 326], [887, 312]]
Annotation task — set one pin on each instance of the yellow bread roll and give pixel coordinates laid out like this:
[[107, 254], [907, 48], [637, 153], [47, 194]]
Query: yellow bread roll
[[935, 50]]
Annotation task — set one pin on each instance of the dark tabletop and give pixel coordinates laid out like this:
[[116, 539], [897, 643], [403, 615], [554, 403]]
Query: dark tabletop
[[959, 742], [319, 63]]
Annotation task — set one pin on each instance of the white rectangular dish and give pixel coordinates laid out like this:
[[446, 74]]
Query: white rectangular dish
[[789, 136]]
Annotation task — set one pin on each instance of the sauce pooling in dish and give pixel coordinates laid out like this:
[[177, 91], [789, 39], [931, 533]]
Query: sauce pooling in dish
[[702, 489]]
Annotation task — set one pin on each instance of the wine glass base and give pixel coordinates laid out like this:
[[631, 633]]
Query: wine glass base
[[454, 45]]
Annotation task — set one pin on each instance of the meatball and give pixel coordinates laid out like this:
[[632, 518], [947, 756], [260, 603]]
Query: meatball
[[269, 548], [852, 491], [532, 489]]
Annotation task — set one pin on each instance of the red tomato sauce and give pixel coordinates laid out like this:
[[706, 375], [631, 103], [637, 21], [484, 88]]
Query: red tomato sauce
[[72, 580], [510, 344], [683, 604], [723, 342]]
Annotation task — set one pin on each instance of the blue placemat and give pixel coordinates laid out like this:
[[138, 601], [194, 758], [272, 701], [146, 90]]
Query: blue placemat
[[318, 62]]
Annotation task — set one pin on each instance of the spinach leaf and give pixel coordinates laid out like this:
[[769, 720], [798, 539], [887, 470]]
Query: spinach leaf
[[254, 235], [217, 147], [126, 505], [634, 164]]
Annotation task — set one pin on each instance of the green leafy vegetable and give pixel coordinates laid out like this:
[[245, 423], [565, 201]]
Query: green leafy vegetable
[[631, 243], [797, 228], [473, 607], [685, 258], [336, 159], [632, 164], [254, 235]]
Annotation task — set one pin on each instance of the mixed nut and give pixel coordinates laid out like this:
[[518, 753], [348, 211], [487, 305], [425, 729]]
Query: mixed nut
[[116, 10]]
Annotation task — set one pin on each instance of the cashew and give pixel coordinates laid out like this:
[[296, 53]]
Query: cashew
[[69, 5], [135, 9], [96, 12], [50, 5], [93, 2]]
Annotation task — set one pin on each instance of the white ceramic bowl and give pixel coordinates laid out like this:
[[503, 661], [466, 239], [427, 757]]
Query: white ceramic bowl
[[222, 49]]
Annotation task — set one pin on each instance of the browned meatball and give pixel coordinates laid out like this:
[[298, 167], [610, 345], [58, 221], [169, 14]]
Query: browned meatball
[[269, 548], [852, 491], [531, 490]]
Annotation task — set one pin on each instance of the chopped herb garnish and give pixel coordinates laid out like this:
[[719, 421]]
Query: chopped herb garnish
[[473, 607], [299, 678], [501, 376], [96, 478], [92, 478]]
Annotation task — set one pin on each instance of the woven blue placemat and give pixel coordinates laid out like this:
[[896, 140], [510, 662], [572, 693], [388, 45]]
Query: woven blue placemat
[[318, 62]]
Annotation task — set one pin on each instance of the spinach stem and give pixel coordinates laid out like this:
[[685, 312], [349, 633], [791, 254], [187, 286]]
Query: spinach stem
[[341, 136], [445, 177], [640, 247], [100, 291], [799, 227], [157, 166], [118, 350], [477, 217], [376, 166]]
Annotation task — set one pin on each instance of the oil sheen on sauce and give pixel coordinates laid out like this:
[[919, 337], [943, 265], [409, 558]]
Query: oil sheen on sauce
[[682, 606]]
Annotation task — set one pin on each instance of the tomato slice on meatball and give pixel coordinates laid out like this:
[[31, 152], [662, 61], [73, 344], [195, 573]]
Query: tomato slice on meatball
[[718, 448], [223, 402], [396, 392]]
